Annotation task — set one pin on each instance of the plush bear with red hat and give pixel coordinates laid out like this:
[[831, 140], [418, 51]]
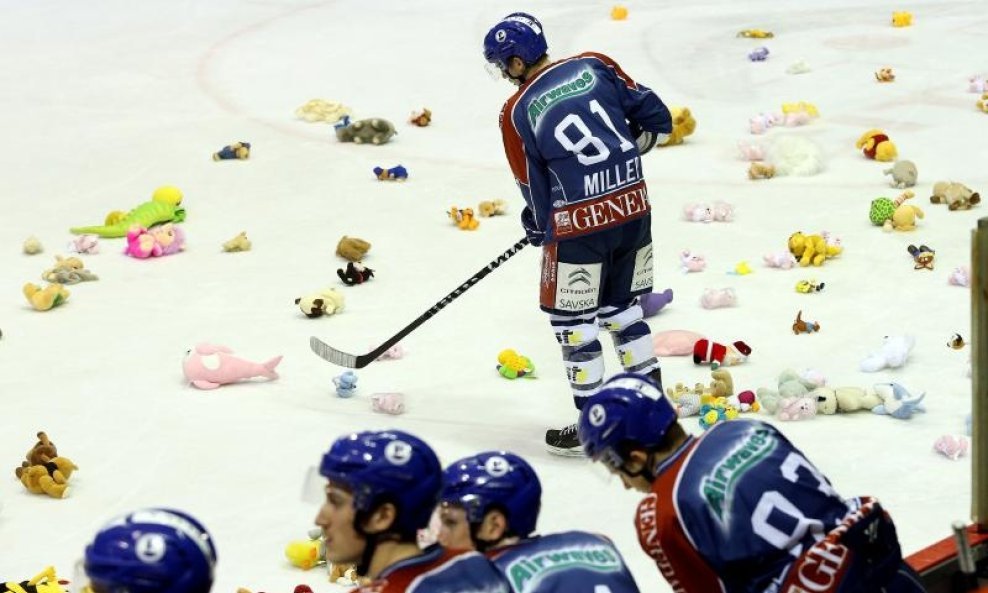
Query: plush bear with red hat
[[715, 354]]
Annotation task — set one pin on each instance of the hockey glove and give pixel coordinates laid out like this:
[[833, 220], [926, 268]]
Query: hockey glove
[[644, 139], [536, 236]]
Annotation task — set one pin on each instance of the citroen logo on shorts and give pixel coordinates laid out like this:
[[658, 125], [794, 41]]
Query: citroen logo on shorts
[[398, 452], [597, 415], [496, 466], [579, 275]]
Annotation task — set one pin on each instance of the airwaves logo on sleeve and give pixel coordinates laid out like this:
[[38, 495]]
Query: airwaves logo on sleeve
[[526, 572], [569, 89], [717, 487]]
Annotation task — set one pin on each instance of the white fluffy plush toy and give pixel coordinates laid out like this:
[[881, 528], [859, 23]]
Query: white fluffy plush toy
[[795, 155], [324, 302], [893, 354]]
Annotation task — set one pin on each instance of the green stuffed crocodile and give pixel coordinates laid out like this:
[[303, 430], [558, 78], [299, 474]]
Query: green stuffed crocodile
[[163, 207]]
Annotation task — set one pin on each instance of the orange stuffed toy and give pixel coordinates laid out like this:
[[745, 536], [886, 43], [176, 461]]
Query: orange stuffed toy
[[877, 146], [463, 219]]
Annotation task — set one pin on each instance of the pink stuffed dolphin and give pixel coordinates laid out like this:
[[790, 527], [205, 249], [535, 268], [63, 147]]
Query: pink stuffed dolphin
[[208, 366]]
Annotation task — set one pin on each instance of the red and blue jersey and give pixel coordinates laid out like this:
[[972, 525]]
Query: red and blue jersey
[[568, 562], [732, 510], [568, 135], [438, 570]]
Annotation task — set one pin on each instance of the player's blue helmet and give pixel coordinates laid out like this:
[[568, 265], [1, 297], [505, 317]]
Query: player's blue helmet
[[495, 479], [518, 34], [629, 408], [387, 466], [151, 551]]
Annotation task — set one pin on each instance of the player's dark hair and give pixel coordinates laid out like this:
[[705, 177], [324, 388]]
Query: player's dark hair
[[672, 439]]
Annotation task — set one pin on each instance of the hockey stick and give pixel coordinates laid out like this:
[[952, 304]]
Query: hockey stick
[[352, 361]]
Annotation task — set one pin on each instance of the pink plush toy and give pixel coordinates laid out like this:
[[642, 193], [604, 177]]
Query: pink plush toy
[[977, 84], [723, 212], [388, 403], [762, 122], [698, 213], [831, 239], [751, 151], [208, 366], [780, 259], [796, 408], [960, 276], [950, 446], [714, 298], [85, 244], [691, 262], [141, 243], [393, 353], [796, 118], [169, 236], [674, 342]]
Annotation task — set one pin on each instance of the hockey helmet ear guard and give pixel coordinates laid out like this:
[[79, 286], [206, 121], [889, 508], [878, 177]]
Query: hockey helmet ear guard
[[628, 409]]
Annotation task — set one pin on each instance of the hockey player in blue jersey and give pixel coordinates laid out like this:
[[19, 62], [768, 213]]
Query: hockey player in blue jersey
[[383, 487], [149, 551], [738, 509], [490, 501], [574, 134]]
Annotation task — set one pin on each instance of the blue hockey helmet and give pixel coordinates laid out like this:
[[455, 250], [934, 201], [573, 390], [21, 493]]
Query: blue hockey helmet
[[387, 466], [629, 408], [518, 34], [151, 551], [495, 479]]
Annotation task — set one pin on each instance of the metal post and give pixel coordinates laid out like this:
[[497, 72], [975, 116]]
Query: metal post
[[979, 375]]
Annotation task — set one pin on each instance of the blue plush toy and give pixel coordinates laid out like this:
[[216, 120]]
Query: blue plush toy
[[759, 54], [237, 150], [398, 173], [346, 384], [898, 402]]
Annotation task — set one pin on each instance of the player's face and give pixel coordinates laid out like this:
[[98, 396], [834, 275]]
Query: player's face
[[454, 531], [343, 543]]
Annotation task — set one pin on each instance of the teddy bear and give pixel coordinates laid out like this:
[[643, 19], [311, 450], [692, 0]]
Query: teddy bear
[[956, 196], [324, 302], [45, 472], [488, 208], [790, 385], [885, 75], [352, 248], [722, 212], [420, 118], [760, 170], [875, 145], [904, 174], [796, 408], [683, 125], [235, 151], [355, 273], [780, 259], [43, 299], [238, 243], [364, 131], [463, 218], [68, 270], [843, 399], [893, 354], [811, 249], [691, 262], [321, 110], [698, 213]]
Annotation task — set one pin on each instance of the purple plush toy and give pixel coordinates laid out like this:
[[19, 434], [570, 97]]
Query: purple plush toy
[[653, 302], [759, 54], [169, 236]]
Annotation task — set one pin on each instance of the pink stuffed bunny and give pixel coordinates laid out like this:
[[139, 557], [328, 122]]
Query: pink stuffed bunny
[[950, 446], [141, 244], [85, 244], [751, 151], [691, 262], [780, 259], [698, 213], [388, 403], [393, 353], [960, 276], [714, 298], [796, 408]]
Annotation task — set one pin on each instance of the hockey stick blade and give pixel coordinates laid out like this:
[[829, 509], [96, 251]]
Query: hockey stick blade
[[351, 361]]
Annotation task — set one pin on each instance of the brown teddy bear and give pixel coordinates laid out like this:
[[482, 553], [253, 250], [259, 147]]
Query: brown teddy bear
[[760, 170], [352, 248], [45, 472], [41, 453]]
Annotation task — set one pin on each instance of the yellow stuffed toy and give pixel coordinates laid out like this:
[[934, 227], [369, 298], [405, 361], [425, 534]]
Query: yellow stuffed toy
[[492, 208], [683, 125], [983, 103], [45, 581], [43, 299], [463, 218], [809, 249], [51, 478], [875, 144], [902, 19]]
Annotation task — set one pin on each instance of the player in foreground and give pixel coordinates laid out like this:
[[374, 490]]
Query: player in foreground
[[739, 508], [491, 501], [574, 133]]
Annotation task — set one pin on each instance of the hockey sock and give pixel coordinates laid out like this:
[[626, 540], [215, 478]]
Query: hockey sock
[[632, 338], [582, 354]]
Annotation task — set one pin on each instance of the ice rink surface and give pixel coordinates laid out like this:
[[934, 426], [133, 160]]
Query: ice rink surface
[[105, 100]]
